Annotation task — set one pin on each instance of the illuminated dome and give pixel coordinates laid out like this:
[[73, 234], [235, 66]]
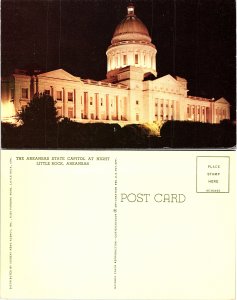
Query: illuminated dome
[[131, 46], [131, 28]]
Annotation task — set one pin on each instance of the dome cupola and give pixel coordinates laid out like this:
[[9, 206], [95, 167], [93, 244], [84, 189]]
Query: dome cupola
[[131, 46]]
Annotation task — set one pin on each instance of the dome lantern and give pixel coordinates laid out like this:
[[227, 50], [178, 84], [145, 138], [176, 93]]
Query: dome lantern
[[130, 9]]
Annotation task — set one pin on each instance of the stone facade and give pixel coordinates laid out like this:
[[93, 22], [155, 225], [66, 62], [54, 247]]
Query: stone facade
[[125, 96]]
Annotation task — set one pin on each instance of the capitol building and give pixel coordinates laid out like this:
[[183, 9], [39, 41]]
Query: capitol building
[[131, 92]]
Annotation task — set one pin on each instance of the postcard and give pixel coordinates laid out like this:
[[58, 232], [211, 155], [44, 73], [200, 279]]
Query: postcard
[[118, 225], [97, 97], [116, 74]]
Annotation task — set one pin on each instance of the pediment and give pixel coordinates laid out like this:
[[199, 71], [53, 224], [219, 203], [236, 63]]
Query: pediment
[[167, 80], [59, 74], [222, 100]]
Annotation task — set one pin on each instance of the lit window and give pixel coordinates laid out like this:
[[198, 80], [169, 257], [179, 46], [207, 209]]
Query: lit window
[[136, 58], [70, 96], [59, 111], [47, 92], [24, 93], [70, 112], [125, 59], [59, 95]]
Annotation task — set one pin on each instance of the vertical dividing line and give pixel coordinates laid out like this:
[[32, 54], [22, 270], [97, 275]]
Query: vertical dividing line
[[152, 18], [197, 49], [47, 36], [174, 39], [60, 31]]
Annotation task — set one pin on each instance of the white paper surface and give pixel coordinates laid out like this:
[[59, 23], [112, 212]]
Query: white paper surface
[[114, 229]]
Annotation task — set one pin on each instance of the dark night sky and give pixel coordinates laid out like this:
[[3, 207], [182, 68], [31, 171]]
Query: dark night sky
[[195, 39]]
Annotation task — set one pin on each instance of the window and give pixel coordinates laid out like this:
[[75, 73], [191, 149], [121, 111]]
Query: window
[[137, 102], [70, 96], [59, 111], [91, 101], [161, 105], [59, 95], [47, 92], [70, 112], [136, 58], [137, 117], [101, 101], [125, 59], [24, 93], [188, 110], [12, 94], [156, 104], [167, 105]]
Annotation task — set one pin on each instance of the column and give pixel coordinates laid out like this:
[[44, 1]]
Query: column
[[205, 114], [108, 110], [118, 113], [52, 92], [34, 85], [77, 100], [195, 113], [85, 105], [97, 107], [164, 110], [169, 110], [74, 104], [65, 108], [125, 112], [174, 109]]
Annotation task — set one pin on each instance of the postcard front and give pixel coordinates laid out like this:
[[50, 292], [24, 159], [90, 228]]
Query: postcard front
[[118, 225]]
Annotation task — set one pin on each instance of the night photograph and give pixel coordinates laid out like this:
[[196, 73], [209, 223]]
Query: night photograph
[[100, 74]]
